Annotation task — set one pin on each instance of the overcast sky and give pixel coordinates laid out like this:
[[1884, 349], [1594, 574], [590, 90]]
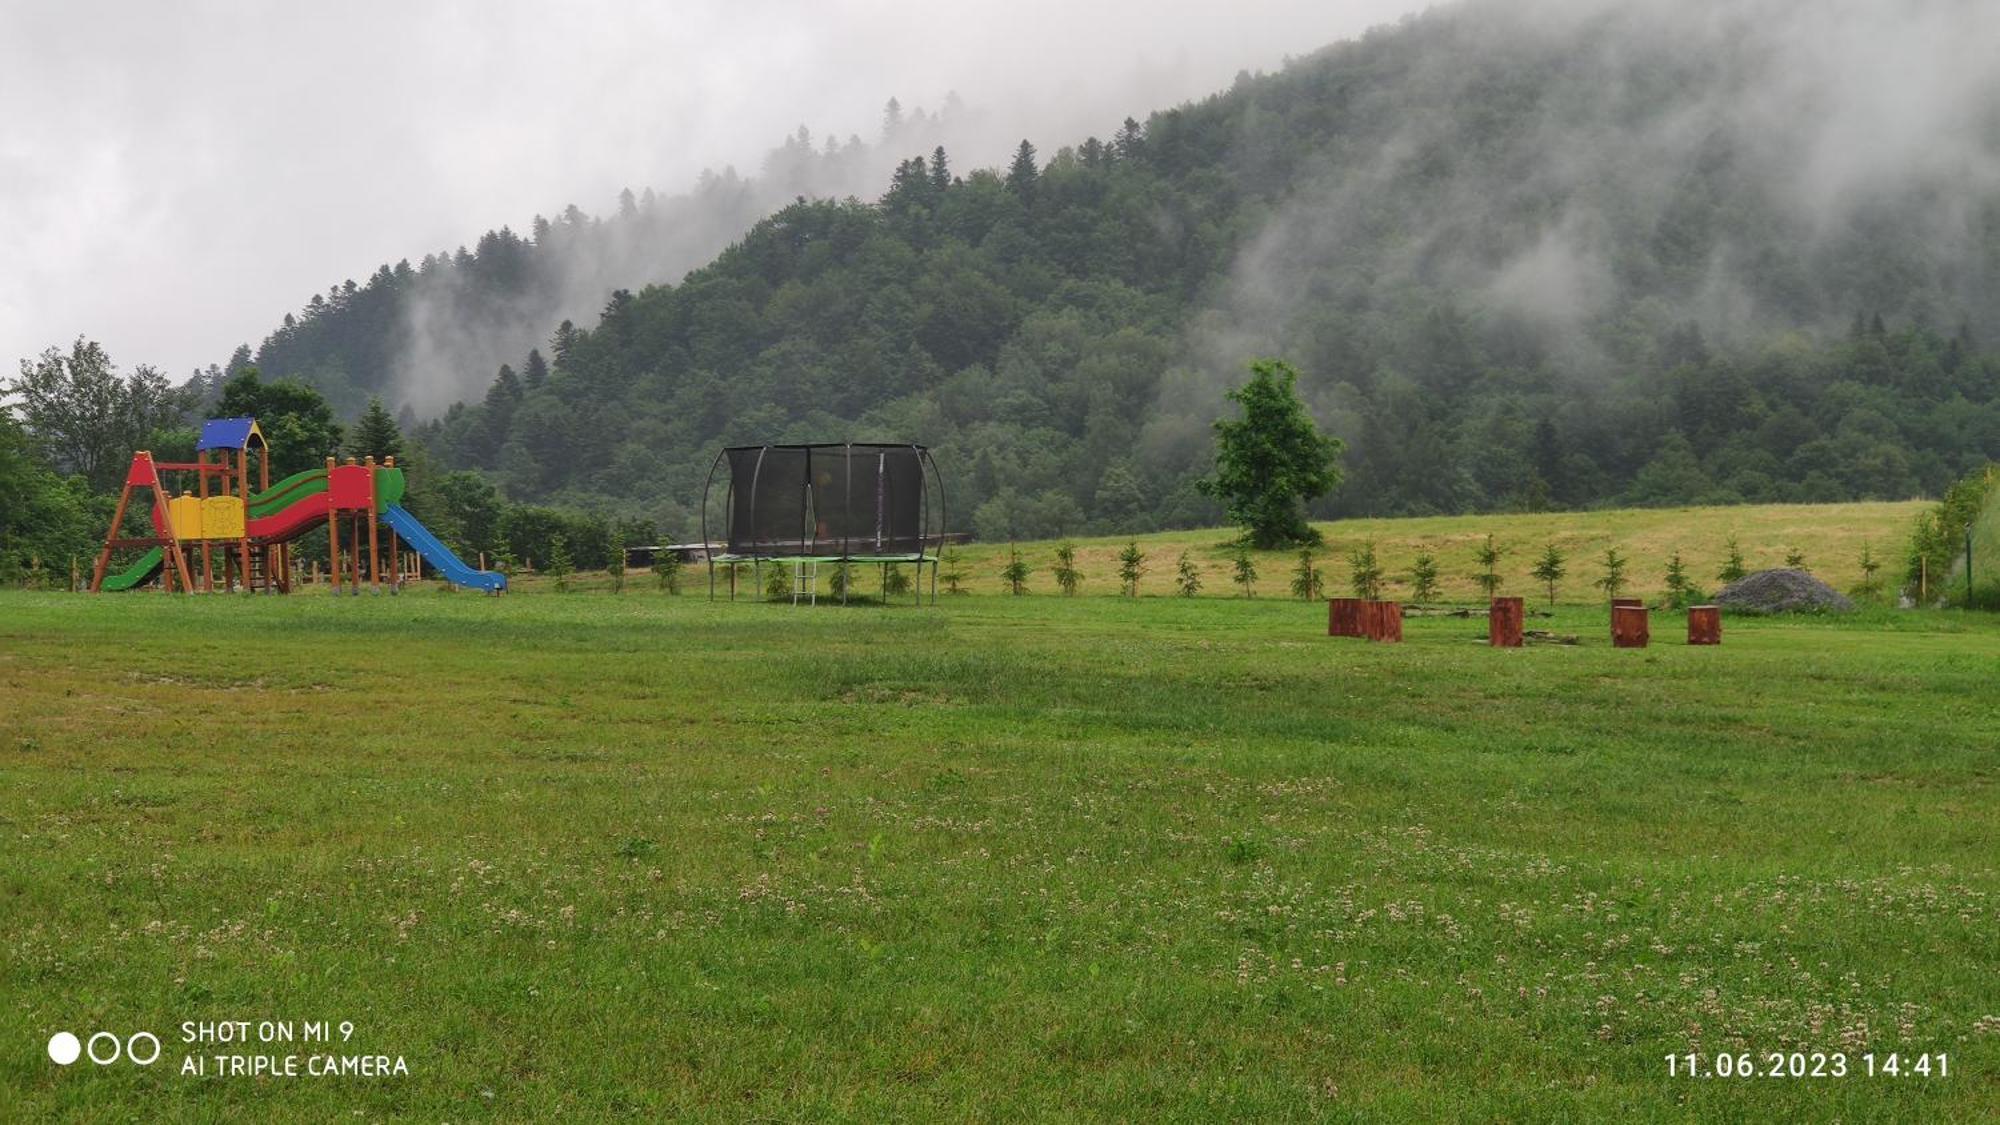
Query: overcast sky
[[175, 177]]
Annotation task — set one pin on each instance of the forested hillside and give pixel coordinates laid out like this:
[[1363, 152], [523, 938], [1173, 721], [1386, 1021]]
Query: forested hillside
[[1524, 258]]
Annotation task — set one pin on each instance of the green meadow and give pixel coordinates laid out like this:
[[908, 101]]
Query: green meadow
[[648, 857]]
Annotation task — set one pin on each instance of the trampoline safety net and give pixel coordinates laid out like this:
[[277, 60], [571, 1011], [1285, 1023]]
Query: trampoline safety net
[[846, 501]]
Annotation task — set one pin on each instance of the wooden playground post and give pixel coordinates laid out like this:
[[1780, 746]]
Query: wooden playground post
[[175, 555], [374, 544], [201, 490], [395, 555], [243, 538], [354, 548], [1505, 621], [332, 533], [117, 522]]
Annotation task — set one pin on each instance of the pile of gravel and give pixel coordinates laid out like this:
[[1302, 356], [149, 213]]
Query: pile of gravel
[[1782, 591]]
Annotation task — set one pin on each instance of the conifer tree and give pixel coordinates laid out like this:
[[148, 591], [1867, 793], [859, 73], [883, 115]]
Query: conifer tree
[[940, 171], [1131, 564], [1488, 556], [1678, 583], [895, 581], [1015, 572], [560, 565], [1244, 573], [375, 434], [1066, 574], [1733, 568], [1424, 578], [1364, 573], [1189, 580], [1307, 581], [953, 575], [1551, 568], [1612, 582], [667, 566], [1022, 173]]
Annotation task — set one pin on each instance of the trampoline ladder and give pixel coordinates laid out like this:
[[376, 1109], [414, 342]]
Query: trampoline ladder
[[805, 582]]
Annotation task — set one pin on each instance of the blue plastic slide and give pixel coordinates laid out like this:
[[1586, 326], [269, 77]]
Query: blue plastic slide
[[437, 554]]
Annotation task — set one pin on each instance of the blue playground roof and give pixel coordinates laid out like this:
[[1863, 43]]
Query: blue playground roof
[[229, 433]]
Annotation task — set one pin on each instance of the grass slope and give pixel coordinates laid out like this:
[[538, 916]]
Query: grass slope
[[1831, 535], [1159, 860]]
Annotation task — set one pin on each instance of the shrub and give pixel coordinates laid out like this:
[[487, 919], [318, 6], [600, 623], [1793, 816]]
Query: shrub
[[841, 580], [1550, 569], [1015, 573], [953, 572], [1679, 586], [1613, 580], [1189, 577], [1245, 573], [1488, 556], [1732, 568], [1364, 574], [895, 581], [1131, 564], [667, 567], [1424, 578], [560, 566], [1067, 576]]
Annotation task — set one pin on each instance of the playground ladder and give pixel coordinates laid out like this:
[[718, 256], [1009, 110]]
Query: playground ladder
[[805, 582]]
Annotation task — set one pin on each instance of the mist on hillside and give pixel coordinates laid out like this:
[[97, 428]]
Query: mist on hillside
[[1829, 126], [457, 325]]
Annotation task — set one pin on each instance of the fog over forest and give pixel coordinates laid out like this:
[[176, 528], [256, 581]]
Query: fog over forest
[[177, 178]]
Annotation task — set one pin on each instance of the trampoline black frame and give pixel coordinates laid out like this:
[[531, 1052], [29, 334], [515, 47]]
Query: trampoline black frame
[[925, 537]]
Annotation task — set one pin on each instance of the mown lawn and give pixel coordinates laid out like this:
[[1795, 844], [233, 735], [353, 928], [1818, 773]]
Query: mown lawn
[[646, 857]]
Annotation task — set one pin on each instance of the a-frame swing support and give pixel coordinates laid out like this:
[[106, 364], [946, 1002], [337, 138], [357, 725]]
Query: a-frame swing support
[[143, 473]]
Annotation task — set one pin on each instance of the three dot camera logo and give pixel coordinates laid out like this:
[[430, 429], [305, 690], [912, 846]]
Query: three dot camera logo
[[141, 1048]]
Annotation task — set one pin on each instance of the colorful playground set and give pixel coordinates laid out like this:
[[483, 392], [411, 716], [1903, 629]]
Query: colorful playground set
[[244, 538]]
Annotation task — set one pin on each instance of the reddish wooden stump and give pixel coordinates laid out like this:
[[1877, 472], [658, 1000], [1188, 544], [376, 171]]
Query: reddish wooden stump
[[1616, 603], [1628, 626], [1504, 622], [1343, 617], [1705, 625], [1383, 621]]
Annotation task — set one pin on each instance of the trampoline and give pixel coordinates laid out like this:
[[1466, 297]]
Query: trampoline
[[841, 503]]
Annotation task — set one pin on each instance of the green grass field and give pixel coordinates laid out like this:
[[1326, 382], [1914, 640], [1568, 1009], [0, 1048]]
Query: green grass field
[[648, 857]]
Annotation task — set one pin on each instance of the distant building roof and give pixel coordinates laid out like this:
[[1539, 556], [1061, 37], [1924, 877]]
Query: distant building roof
[[230, 433]]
